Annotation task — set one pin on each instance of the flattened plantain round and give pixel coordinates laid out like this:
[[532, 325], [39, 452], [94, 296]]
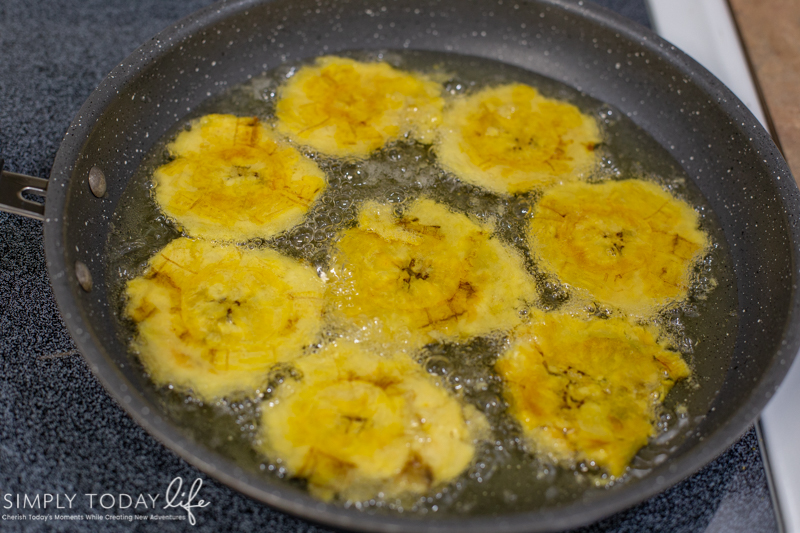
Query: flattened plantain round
[[510, 139], [428, 275], [628, 243], [348, 108], [357, 424], [214, 319], [233, 180], [587, 389]]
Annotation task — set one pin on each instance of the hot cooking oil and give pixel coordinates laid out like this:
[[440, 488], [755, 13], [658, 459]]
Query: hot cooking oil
[[506, 476]]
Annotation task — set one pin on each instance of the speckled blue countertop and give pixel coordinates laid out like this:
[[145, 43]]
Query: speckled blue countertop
[[60, 433]]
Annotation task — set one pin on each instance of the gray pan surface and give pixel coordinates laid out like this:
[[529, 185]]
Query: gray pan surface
[[685, 109]]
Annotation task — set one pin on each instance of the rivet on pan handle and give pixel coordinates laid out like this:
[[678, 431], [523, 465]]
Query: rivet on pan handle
[[12, 188]]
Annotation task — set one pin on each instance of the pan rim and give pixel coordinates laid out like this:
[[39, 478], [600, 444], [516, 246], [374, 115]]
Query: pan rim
[[67, 294]]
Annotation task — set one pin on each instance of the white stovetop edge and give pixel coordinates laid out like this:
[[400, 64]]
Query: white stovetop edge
[[705, 30]]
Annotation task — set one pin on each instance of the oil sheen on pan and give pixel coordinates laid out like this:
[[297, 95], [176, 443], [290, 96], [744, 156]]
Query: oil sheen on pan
[[424, 257]]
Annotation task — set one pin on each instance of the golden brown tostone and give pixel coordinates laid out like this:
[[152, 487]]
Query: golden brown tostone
[[348, 108], [588, 389], [214, 319], [510, 139], [233, 179], [357, 424], [627, 243], [430, 274]]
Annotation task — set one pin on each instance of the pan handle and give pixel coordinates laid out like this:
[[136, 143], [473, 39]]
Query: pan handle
[[12, 188]]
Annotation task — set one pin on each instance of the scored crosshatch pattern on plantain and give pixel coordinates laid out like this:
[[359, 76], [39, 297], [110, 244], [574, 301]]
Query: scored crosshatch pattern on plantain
[[60, 433]]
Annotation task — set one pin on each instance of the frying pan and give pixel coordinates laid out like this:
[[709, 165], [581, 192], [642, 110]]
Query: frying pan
[[688, 112]]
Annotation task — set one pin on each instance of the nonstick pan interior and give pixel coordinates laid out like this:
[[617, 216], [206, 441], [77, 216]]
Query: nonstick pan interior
[[689, 113]]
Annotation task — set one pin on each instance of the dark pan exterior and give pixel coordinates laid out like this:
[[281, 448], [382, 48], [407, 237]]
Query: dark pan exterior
[[683, 107]]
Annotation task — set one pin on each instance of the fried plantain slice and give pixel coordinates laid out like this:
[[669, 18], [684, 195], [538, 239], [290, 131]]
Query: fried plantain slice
[[587, 389], [427, 275], [232, 179], [214, 319], [510, 139], [348, 108], [627, 243], [357, 424]]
